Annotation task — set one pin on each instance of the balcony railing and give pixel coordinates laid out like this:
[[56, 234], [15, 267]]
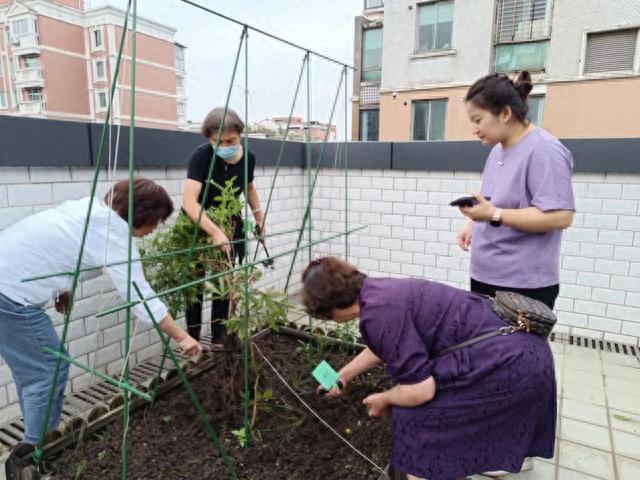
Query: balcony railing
[[31, 107], [28, 40], [29, 75]]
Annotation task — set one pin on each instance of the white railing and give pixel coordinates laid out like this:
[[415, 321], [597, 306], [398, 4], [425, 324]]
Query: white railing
[[31, 74], [32, 107], [25, 41]]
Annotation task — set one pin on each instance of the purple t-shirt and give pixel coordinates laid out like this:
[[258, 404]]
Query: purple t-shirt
[[536, 172]]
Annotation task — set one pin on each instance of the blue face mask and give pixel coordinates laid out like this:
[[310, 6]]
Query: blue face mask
[[227, 152]]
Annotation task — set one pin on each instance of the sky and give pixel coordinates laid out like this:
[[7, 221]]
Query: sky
[[325, 26]]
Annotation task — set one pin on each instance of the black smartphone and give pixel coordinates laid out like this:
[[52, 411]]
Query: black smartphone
[[466, 201]]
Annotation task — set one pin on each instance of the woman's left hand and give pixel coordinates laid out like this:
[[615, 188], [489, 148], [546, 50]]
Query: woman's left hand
[[377, 404], [482, 211]]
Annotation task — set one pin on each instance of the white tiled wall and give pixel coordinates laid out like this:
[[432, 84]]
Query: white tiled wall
[[409, 230]]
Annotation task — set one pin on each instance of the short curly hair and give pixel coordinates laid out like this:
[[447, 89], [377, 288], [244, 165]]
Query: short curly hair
[[330, 284]]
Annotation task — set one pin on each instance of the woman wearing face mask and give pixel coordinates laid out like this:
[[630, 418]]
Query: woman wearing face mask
[[515, 238], [229, 164]]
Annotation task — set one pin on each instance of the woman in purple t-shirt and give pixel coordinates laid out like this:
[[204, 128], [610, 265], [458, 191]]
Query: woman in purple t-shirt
[[517, 234]]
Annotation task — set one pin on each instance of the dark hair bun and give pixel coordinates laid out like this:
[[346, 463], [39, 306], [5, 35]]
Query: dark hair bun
[[523, 84]]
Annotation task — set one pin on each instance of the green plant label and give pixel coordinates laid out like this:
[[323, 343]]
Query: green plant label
[[325, 375]]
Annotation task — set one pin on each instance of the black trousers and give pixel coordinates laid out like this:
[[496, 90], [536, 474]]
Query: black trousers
[[219, 310], [546, 295]]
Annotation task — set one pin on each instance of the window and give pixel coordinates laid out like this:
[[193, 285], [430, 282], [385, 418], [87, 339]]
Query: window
[[519, 20], [101, 100], [15, 97], [371, 54], [435, 22], [3, 100], [180, 86], [536, 109], [22, 27], [369, 125], [180, 64], [99, 70], [182, 110], [96, 39], [429, 119], [1, 70], [373, 4], [521, 56], [610, 51], [31, 62], [34, 94]]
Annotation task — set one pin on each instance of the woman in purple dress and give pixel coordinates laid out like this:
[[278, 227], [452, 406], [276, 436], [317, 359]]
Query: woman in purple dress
[[484, 407]]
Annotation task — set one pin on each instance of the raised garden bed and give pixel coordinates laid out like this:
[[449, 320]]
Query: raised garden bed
[[168, 440]]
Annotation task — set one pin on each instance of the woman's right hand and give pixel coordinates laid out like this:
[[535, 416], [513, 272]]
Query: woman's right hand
[[219, 238], [464, 237], [336, 392]]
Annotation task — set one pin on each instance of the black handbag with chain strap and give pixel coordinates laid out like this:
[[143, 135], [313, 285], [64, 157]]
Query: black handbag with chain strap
[[521, 313]]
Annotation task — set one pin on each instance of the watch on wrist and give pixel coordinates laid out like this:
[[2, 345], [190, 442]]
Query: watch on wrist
[[496, 219]]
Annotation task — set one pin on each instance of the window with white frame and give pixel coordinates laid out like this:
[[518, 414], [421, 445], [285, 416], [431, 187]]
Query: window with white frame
[[180, 64], [34, 95], [613, 51], [435, 26], [31, 61], [101, 100], [429, 118], [3, 100], [99, 71], [536, 109], [518, 24], [23, 27], [373, 4], [520, 20], [97, 42], [182, 110], [180, 86]]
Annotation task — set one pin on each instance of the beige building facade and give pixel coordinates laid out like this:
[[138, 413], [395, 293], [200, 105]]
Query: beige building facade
[[57, 60], [416, 60]]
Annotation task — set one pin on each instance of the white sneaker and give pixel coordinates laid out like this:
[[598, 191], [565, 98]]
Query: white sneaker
[[526, 465]]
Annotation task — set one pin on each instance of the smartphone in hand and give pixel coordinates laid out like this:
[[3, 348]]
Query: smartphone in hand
[[466, 201]]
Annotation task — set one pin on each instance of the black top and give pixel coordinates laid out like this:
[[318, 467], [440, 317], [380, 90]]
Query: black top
[[198, 170]]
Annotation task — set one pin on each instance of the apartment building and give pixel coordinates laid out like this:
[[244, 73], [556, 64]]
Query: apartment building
[[57, 60], [415, 61]]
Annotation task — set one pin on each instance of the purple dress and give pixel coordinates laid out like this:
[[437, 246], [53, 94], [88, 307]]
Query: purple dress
[[495, 401]]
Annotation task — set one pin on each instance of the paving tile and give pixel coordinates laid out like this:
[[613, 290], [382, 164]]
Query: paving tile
[[620, 359], [583, 377], [585, 434], [585, 459], [624, 421], [623, 385], [626, 444], [584, 411], [583, 393], [540, 471], [628, 469], [588, 364], [582, 352], [620, 371], [566, 474], [624, 402]]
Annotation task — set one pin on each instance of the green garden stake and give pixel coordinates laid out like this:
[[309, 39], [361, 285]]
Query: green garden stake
[[326, 375]]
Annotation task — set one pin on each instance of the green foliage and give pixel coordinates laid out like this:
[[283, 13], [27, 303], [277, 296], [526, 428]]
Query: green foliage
[[172, 270], [268, 308], [241, 436]]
